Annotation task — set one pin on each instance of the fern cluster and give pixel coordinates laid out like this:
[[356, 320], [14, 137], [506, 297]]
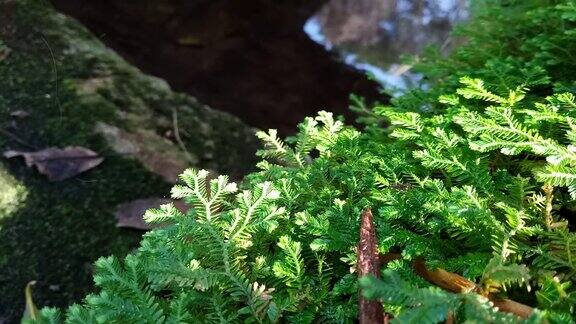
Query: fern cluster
[[474, 176]]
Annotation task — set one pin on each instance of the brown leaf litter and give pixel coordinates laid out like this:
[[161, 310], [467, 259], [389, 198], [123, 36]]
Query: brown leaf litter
[[59, 164], [131, 214]]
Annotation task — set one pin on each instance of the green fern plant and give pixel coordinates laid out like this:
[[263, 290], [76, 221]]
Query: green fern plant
[[474, 176]]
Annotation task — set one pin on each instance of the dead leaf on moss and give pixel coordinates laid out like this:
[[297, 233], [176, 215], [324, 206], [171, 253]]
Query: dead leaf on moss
[[19, 114], [131, 214], [59, 164]]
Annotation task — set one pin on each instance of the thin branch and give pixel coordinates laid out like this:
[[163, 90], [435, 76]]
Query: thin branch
[[510, 306], [179, 139], [549, 192], [447, 280], [457, 284], [370, 311], [55, 67]]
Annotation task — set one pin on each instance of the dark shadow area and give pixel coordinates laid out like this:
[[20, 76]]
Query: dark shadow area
[[251, 59]]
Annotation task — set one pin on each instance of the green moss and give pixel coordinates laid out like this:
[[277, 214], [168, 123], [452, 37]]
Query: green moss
[[61, 228], [53, 232]]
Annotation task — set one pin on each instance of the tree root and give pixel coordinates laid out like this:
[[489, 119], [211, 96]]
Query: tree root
[[455, 283], [370, 262]]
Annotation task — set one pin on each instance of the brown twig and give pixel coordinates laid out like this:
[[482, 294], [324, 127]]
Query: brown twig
[[370, 311], [447, 280], [450, 318], [549, 192], [178, 138], [369, 263], [510, 306]]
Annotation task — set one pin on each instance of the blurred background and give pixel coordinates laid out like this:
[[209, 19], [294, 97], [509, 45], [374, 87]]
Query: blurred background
[[377, 36]]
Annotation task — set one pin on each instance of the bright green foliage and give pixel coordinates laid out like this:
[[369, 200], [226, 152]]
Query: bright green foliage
[[508, 44], [475, 177], [432, 304], [500, 155], [462, 191]]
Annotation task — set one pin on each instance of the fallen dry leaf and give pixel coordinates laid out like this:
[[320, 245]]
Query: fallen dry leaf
[[59, 164], [20, 114], [31, 311], [131, 214]]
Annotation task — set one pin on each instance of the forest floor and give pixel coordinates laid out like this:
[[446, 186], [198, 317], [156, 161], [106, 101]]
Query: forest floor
[[61, 87]]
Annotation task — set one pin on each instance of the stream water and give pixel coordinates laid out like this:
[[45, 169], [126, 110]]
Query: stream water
[[373, 35]]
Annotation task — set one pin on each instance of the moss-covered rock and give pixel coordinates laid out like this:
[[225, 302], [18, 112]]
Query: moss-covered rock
[[80, 93]]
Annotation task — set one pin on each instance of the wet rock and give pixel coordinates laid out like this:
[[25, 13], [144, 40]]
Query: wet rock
[[118, 139]]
